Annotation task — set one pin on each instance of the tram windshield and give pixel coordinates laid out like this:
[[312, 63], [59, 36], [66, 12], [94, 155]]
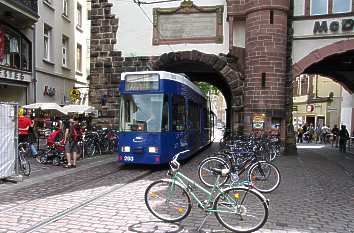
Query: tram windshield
[[144, 112]]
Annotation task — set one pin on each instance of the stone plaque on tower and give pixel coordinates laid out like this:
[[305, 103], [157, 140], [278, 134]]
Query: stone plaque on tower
[[188, 24]]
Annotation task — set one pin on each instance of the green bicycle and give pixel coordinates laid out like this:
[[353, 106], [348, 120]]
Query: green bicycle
[[239, 209]]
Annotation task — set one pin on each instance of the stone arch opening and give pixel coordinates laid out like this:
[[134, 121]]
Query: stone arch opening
[[329, 104], [335, 61], [213, 69]]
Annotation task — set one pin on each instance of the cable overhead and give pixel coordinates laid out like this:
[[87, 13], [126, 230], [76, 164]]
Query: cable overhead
[[154, 2], [148, 18]]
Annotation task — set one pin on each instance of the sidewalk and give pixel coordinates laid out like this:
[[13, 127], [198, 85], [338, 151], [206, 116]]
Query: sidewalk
[[343, 160], [43, 172]]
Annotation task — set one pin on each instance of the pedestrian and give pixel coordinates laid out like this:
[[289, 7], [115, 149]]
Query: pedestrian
[[71, 143], [318, 134], [300, 132], [24, 132], [343, 138], [335, 132], [305, 128], [324, 134], [312, 132]]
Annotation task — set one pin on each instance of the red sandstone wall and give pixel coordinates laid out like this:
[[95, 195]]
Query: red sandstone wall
[[265, 53]]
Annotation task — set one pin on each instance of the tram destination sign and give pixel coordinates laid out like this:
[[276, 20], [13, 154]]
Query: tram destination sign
[[142, 82], [343, 25]]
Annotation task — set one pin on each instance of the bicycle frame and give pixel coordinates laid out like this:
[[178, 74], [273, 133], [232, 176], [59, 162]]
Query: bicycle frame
[[188, 184]]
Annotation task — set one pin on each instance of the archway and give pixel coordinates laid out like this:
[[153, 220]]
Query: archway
[[336, 62], [213, 69]]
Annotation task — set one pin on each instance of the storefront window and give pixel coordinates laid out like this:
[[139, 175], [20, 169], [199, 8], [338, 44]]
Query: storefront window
[[319, 7], [15, 50], [341, 6]]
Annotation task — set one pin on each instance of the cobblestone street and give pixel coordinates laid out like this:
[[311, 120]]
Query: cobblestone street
[[315, 195]]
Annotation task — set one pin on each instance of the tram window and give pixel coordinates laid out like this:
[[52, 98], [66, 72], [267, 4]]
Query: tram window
[[178, 113], [144, 112], [165, 120], [205, 118], [193, 115]]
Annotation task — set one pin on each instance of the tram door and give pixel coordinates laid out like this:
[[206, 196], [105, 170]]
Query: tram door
[[179, 123], [193, 124]]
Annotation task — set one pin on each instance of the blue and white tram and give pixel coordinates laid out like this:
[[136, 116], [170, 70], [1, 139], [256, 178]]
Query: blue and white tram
[[161, 114]]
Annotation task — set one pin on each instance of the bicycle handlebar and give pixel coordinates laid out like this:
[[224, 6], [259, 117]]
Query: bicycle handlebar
[[174, 164]]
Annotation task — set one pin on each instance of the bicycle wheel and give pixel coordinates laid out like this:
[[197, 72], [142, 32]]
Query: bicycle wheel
[[90, 148], [207, 176], [24, 164], [241, 209], [264, 176], [168, 201], [104, 144]]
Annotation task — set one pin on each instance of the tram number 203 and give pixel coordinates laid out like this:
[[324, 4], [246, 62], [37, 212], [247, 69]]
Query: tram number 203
[[128, 158]]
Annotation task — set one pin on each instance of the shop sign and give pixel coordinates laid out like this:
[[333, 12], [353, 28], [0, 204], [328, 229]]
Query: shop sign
[[334, 26], [14, 75], [49, 91], [75, 95], [258, 121], [310, 108]]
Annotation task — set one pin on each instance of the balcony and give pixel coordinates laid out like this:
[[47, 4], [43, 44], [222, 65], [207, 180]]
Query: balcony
[[29, 4], [22, 13]]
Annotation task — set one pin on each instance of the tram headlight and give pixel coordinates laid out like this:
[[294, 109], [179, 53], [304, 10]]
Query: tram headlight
[[153, 149], [125, 148]]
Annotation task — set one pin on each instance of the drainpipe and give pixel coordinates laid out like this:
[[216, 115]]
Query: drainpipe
[[34, 73]]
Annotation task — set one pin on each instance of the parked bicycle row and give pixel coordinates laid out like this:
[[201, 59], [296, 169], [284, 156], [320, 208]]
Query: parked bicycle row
[[236, 177], [68, 142]]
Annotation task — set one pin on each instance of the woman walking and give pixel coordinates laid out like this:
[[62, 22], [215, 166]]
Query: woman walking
[[70, 141]]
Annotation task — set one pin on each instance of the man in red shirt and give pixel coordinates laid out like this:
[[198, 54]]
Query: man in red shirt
[[23, 126], [24, 123]]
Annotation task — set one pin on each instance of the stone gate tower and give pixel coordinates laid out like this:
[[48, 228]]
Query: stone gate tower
[[265, 59]]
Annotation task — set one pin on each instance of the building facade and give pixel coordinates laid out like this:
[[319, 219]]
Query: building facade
[[61, 51], [17, 80], [318, 101]]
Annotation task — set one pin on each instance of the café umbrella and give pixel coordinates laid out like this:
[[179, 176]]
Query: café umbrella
[[48, 107], [80, 109]]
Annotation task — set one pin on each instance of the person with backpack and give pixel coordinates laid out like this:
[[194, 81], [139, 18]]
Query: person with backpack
[[71, 143], [343, 138]]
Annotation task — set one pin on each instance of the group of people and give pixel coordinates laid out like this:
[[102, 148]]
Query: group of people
[[66, 133], [338, 137]]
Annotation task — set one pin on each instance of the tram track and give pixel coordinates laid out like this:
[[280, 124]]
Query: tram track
[[78, 206], [116, 188], [48, 209], [66, 188]]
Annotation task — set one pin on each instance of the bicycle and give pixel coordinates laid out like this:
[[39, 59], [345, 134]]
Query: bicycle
[[264, 176], [235, 207], [23, 163]]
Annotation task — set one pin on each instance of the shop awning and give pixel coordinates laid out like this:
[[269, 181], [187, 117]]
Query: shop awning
[[52, 107], [80, 109]]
